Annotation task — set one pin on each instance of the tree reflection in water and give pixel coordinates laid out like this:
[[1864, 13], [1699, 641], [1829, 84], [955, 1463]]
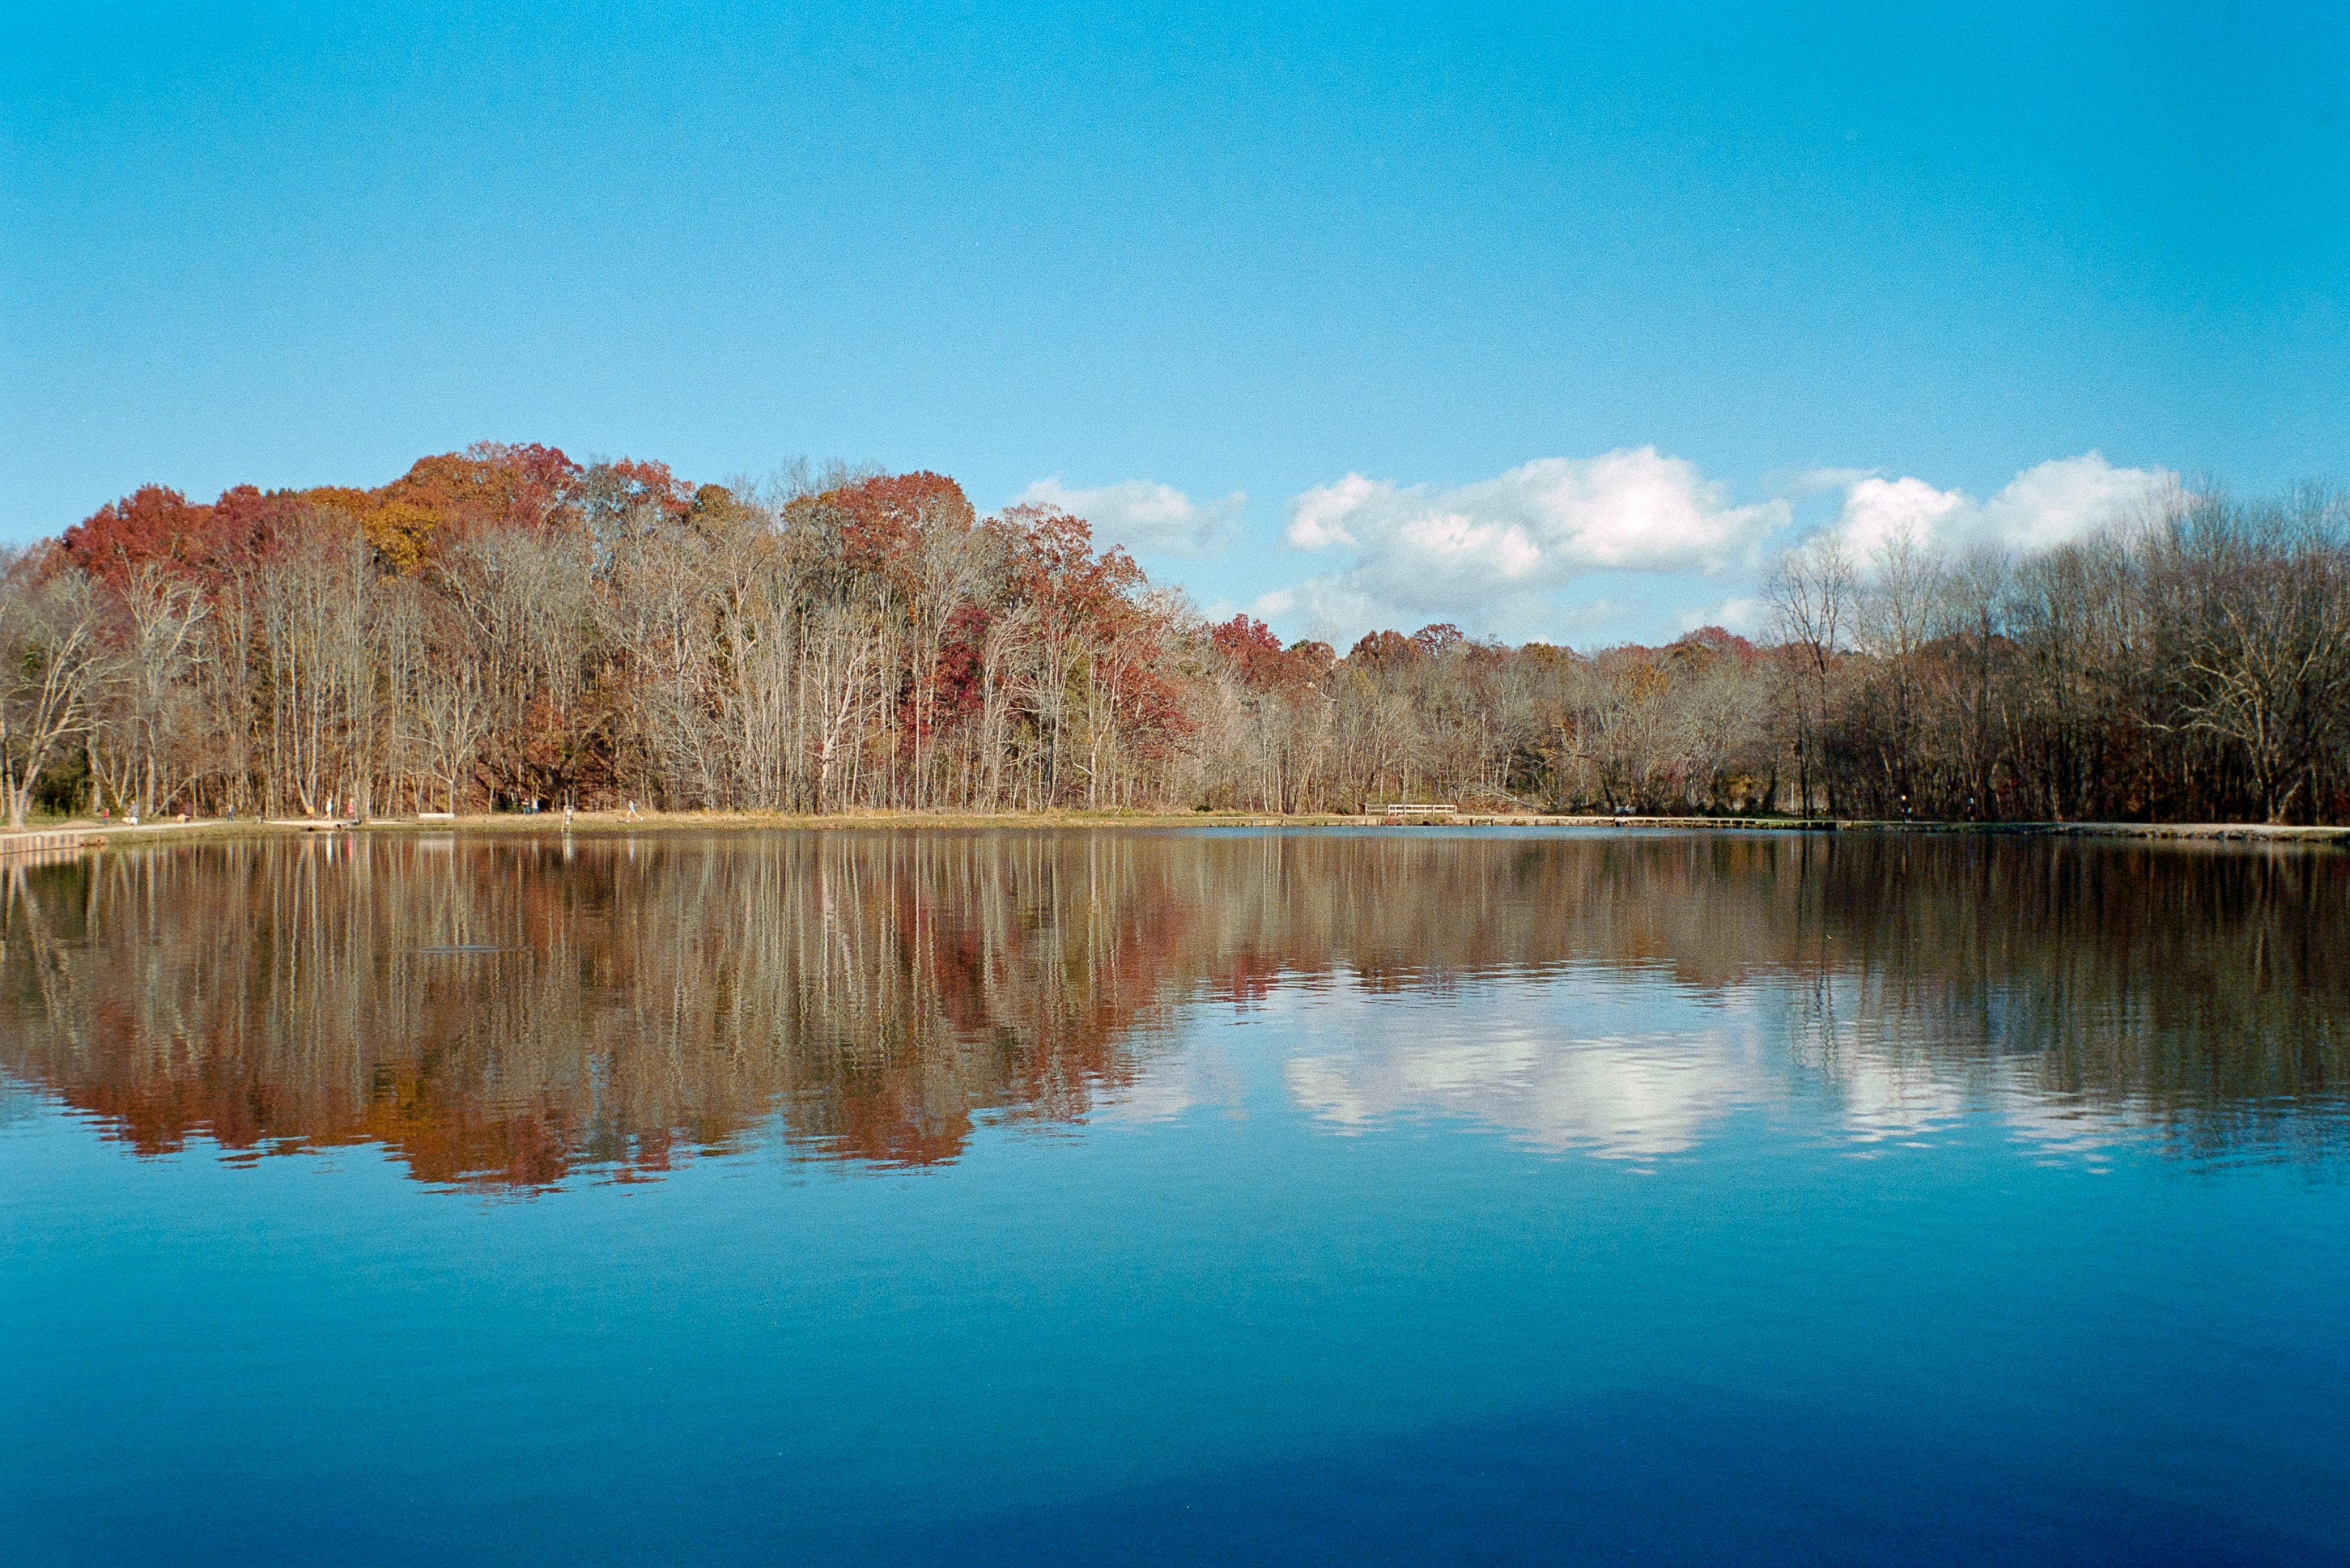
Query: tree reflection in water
[[504, 1012]]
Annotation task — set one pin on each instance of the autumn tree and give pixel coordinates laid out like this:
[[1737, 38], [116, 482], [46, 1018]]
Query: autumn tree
[[53, 656]]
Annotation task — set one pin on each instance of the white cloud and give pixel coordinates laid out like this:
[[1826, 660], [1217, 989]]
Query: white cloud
[[2051, 503], [1636, 544], [1743, 614], [1636, 1092], [1492, 554], [1317, 519], [1816, 481], [2061, 501], [1637, 511], [1280, 601], [1147, 518], [1586, 621], [1877, 510]]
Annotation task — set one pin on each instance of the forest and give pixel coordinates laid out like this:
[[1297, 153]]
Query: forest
[[505, 628]]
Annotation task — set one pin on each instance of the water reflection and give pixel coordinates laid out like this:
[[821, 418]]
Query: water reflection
[[1596, 1075], [507, 1012]]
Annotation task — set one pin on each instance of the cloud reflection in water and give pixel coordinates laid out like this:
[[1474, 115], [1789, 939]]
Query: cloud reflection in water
[[878, 998]]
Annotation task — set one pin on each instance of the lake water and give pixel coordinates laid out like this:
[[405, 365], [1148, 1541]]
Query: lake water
[[1125, 1196]]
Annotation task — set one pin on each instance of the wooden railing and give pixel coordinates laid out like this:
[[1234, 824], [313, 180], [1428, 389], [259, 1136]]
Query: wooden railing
[[47, 841]]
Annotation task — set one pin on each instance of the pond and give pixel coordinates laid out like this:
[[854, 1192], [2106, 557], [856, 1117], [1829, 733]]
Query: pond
[[1328, 1195]]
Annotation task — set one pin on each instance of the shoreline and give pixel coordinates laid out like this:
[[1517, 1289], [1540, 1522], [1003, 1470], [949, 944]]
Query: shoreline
[[73, 837]]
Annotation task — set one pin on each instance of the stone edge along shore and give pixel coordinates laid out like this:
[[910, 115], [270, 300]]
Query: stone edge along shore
[[75, 837]]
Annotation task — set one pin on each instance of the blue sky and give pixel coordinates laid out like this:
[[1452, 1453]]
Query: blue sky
[[1553, 321]]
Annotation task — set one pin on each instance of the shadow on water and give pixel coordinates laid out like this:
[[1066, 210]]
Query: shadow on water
[[507, 1013], [1647, 1480]]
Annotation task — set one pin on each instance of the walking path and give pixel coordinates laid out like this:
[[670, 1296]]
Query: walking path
[[84, 834], [68, 838]]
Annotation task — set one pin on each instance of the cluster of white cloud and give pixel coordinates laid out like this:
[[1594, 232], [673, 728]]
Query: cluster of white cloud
[[1504, 555], [1147, 518], [1517, 554], [1616, 1077], [1493, 555], [2045, 505]]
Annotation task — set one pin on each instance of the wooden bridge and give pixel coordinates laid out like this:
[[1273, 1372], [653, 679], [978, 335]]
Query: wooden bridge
[[77, 837], [45, 842], [1420, 810]]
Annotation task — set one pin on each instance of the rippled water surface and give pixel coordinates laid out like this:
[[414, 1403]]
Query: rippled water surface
[[1086, 1196]]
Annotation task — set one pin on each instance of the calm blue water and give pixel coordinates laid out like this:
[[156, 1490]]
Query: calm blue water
[[1176, 1198]]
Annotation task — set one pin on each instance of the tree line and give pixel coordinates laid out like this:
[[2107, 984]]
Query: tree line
[[506, 628]]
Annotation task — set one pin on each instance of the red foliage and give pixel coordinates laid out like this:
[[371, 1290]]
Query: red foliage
[[1152, 700], [1263, 664], [648, 485], [490, 485], [1436, 638], [1249, 644], [1380, 649], [883, 517], [443, 498], [152, 525], [962, 690], [1388, 649], [251, 524], [1716, 641], [1312, 658], [486, 485], [1071, 587]]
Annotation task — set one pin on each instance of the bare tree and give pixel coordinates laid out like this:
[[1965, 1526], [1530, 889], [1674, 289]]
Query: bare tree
[[52, 657], [1812, 606], [2263, 645]]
